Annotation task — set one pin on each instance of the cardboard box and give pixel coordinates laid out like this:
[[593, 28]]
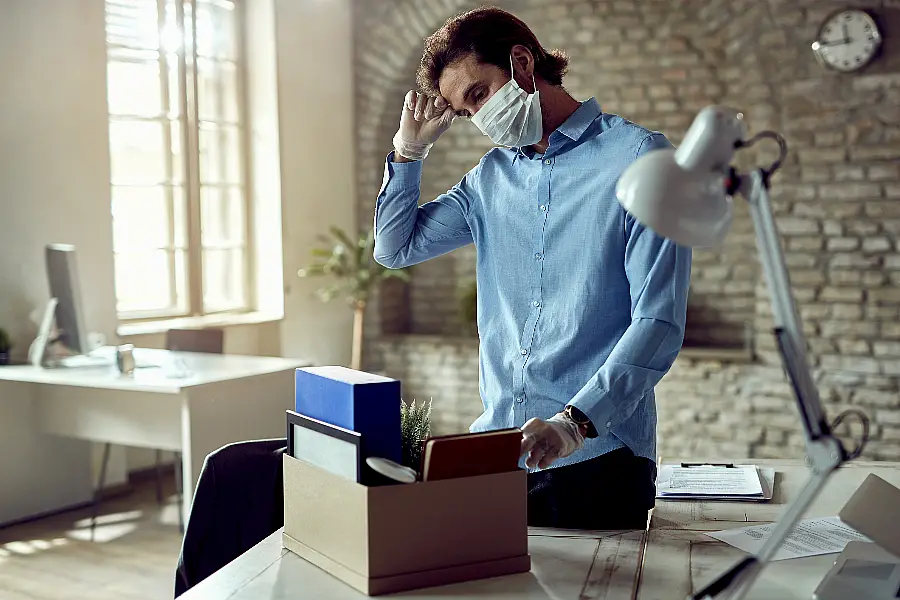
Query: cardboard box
[[400, 537], [363, 402]]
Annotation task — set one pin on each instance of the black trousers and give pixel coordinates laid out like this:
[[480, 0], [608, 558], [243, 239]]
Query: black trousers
[[612, 491]]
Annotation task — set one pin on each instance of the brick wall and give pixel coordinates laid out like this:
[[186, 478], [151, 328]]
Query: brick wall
[[657, 62], [441, 369]]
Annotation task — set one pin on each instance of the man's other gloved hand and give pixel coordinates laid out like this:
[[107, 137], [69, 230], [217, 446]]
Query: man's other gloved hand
[[546, 441], [422, 122]]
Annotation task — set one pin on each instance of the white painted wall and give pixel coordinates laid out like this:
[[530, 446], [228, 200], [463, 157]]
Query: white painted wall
[[315, 79], [54, 187], [54, 171]]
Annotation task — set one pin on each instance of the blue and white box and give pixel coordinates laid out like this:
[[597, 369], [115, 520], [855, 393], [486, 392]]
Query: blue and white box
[[363, 402]]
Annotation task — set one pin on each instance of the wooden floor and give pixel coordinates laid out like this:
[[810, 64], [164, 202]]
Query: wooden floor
[[133, 554]]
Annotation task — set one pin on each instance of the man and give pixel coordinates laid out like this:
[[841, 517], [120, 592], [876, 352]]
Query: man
[[581, 310]]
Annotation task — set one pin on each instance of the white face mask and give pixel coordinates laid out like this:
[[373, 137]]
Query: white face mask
[[512, 116]]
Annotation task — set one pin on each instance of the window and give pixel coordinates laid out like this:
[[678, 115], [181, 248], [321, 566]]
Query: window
[[177, 157]]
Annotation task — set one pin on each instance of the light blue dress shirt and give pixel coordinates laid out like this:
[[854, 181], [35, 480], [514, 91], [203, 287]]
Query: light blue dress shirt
[[577, 302]]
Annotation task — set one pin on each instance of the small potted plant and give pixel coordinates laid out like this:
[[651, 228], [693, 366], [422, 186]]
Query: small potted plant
[[415, 426], [5, 345]]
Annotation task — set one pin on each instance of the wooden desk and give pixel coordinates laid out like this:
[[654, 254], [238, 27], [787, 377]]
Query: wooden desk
[[671, 561], [680, 559], [565, 565]]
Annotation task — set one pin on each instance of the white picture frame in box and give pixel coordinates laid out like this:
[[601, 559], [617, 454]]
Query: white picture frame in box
[[329, 447]]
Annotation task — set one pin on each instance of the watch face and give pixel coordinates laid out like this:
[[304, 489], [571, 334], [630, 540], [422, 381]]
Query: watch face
[[576, 415], [848, 40]]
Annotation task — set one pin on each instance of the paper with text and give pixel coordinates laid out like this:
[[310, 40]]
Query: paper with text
[[810, 537], [739, 480]]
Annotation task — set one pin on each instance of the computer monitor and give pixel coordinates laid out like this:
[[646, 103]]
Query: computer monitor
[[68, 339], [62, 275]]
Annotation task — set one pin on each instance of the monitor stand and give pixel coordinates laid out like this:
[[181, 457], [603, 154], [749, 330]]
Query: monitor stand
[[47, 352]]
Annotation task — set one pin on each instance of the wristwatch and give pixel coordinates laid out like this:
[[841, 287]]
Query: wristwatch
[[582, 420]]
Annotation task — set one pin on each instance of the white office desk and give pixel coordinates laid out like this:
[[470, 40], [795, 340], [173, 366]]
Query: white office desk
[[194, 403], [564, 566]]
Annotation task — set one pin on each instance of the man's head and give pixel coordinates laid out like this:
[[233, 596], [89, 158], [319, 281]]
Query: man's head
[[468, 59]]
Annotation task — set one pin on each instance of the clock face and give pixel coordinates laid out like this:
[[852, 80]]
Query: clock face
[[848, 40]]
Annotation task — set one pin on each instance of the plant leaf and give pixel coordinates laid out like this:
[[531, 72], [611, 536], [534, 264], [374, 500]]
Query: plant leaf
[[341, 236]]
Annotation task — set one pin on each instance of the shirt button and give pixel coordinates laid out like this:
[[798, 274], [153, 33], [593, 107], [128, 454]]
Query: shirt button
[[548, 161], [523, 351], [520, 399], [543, 208], [537, 256], [608, 424], [535, 304]]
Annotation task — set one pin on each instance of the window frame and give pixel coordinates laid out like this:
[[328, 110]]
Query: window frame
[[188, 126]]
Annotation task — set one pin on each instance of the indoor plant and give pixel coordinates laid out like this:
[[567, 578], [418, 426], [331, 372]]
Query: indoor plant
[[415, 426], [5, 345], [355, 274]]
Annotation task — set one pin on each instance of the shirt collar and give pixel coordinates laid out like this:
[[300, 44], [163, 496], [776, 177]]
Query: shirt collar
[[573, 127], [578, 122]]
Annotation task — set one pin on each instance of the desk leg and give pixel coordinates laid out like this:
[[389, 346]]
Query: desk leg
[[217, 414]]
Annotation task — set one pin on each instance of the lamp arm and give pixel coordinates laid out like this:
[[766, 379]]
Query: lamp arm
[[788, 330], [825, 452]]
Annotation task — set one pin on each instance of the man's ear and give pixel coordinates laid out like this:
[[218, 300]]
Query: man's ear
[[523, 61]]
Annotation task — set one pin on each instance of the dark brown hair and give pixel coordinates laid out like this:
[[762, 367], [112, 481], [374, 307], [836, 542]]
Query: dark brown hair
[[489, 33]]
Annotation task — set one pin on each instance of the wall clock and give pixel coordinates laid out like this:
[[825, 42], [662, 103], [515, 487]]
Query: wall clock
[[848, 40]]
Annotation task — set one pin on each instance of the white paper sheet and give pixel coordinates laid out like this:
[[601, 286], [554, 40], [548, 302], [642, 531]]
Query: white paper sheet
[[739, 480], [810, 537]]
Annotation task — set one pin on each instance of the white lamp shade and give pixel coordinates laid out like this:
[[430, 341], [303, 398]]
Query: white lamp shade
[[688, 207], [681, 194]]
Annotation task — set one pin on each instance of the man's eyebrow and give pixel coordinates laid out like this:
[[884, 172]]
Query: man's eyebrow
[[470, 89]]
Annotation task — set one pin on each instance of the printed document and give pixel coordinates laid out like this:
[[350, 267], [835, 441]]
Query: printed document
[[702, 480], [810, 537]]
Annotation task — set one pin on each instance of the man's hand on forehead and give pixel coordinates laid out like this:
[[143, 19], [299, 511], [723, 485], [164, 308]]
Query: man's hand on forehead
[[426, 107], [422, 122]]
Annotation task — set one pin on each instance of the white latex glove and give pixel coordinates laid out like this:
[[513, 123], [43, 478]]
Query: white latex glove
[[546, 441], [422, 122]]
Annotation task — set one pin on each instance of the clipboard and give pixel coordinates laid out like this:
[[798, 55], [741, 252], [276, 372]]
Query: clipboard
[[766, 481]]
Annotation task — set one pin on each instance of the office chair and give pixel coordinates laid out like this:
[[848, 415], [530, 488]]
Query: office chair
[[239, 501]]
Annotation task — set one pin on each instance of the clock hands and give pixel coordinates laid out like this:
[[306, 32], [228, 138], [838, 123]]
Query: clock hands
[[831, 43], [841, 42]]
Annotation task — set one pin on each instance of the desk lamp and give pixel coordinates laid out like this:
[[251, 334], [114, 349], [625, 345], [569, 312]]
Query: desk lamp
[[685, 195]]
